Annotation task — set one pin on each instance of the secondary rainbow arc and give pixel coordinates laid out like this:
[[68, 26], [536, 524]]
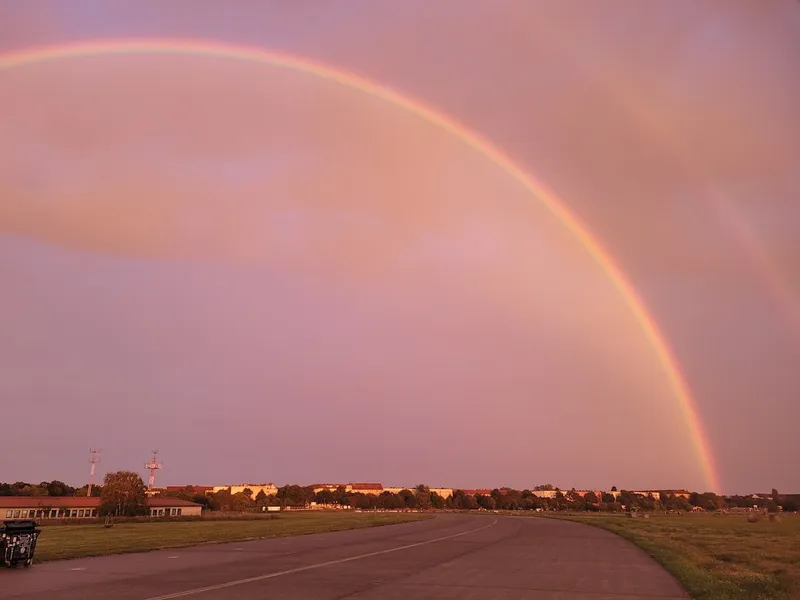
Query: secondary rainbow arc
[[448, 124]]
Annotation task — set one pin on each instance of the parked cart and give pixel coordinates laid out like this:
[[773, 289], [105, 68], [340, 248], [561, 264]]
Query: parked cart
[[18, 542]]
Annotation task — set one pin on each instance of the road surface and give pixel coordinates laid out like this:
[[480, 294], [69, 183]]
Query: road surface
[[452, 556]]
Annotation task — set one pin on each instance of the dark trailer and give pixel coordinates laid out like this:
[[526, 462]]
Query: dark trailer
[[18, 542]]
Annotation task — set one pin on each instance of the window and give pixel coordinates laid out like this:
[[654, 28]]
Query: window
[[9, 513], [24, 514], [74, 513], [174, 511], [179, 511], [16, 514], [80, 512], [53, 514], [94, 512]]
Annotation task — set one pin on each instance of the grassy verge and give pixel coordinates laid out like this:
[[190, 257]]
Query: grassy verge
[[75, 541], [718, 557]]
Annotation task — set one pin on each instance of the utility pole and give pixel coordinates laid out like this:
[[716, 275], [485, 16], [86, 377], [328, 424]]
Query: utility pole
[[94, 458], [153, 466]]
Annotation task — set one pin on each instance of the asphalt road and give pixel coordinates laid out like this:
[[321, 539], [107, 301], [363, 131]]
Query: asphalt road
[[452, 556]]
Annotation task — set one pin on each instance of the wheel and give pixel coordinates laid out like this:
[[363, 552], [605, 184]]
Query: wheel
[[28, 563]]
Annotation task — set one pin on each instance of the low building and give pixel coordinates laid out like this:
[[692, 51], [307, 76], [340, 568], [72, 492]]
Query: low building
[[269, 489], [677, 493], [546, 493], [443, 492], [480, 491], [327, 487], [69, 507], [374, 489], [173, 507], [196, 489]]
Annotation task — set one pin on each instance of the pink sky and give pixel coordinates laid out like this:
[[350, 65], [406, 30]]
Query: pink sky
[[267, 276]]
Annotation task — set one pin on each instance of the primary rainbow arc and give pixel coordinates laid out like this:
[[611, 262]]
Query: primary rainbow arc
[[557, 207]]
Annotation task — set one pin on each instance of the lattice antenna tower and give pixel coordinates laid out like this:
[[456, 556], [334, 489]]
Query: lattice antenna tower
[[153, 466], [94, 458]]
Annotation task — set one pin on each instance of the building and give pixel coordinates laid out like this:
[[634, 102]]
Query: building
[[68, 507], [374, 489], [677, 493], [269, 489], [482, 492], [197, 489], [443, 492], [173, 507], [326, 487], [397, 490]]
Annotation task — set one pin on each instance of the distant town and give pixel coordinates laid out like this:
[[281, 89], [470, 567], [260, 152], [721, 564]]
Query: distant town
[[57, 500], [124, 493]]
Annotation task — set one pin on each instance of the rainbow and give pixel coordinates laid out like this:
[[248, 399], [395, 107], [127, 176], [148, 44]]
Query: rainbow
[[628, 98], [445, 123]]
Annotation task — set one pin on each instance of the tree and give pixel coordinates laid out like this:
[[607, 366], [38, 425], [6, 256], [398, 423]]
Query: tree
[[261, 497], [58, 488], [208, 502], [38, 490], [241, 502], [408, 498], [340, 496], [293, 495], [248, 492], [123, 495], [547, 487], [486, 502], [325, 497], [422, 495], [613, 488]]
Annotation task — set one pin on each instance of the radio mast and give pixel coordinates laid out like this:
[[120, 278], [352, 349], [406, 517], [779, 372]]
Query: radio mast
[[94, 458], [153, 466]]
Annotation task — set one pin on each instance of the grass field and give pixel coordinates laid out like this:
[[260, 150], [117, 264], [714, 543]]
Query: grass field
[[718, 557], [74, 541]]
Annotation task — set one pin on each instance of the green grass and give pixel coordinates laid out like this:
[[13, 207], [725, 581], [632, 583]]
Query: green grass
[[718, 557], [75, 541]]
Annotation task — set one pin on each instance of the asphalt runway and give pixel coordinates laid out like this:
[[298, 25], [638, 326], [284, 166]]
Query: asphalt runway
[[452, 556]]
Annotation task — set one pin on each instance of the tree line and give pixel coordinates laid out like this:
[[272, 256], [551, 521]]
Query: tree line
[[45, 488], [123, 493], [422, 498]]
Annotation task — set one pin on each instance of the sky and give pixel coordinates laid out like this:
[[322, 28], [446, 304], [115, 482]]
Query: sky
[[268, 276]]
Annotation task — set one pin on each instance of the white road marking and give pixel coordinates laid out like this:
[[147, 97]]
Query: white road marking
[[78, 569], [172, 557], [338, 561]]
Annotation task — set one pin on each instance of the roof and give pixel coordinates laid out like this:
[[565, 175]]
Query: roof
[[49, 502], [366, 486], [79, 502], [254, 485], [169, 502], [196, 488]]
